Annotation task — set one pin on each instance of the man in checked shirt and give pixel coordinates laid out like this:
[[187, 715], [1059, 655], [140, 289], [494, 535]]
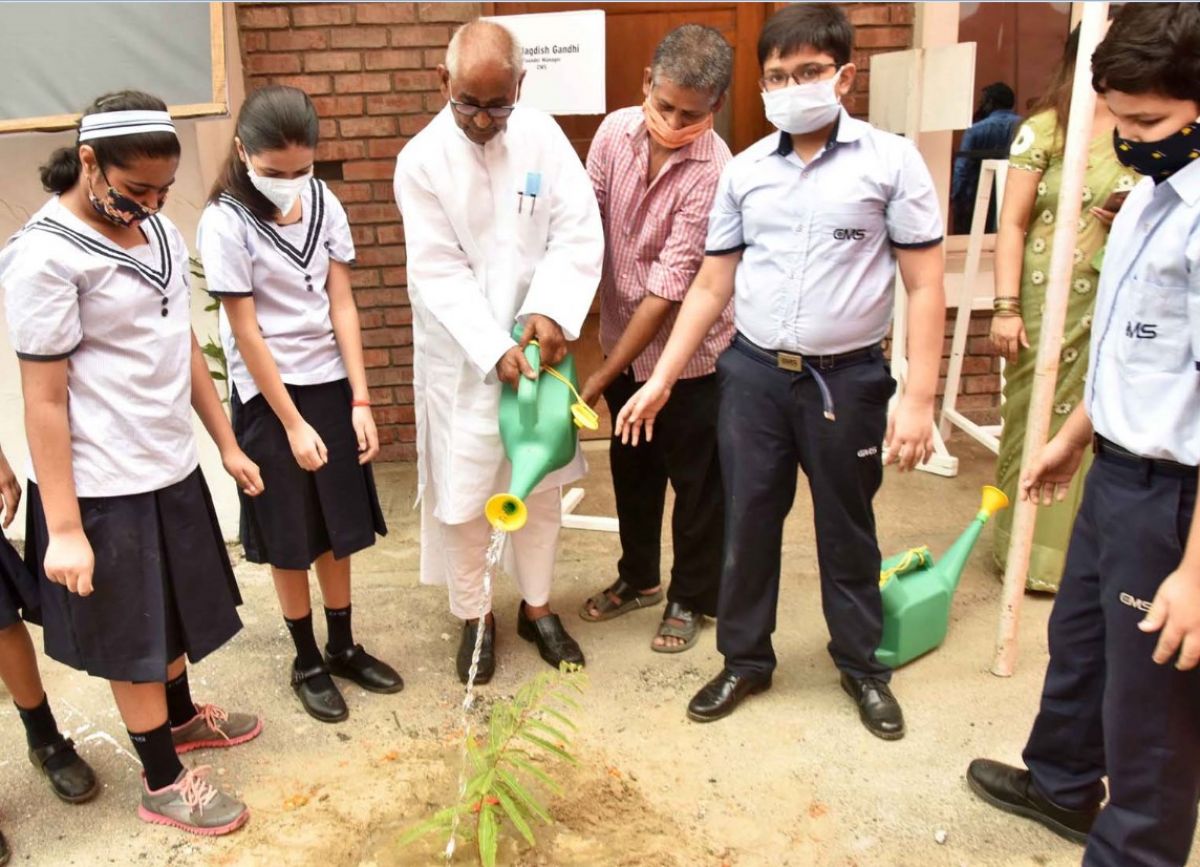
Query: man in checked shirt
[[655, 169]]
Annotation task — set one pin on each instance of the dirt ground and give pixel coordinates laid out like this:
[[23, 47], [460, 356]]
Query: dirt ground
[[792, 778]]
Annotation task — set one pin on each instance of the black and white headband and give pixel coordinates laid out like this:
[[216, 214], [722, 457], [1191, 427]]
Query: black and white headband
[[114, 123]]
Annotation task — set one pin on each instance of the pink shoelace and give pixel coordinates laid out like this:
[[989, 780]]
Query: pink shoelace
[[213, 717], [196, 792]]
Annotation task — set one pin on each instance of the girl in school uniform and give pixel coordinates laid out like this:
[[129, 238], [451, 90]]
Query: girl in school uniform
[[71, 778], [276, 249], [121, 532]]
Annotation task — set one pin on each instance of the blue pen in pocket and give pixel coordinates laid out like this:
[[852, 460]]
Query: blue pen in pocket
[[533, 185]]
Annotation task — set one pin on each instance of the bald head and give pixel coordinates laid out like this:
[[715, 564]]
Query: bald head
[[481, 43], [482, 78]]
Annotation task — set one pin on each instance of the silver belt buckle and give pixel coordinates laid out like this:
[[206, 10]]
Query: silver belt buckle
[[788, 361]]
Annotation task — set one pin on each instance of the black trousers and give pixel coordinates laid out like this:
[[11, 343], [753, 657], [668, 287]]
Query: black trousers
[[770, 421], [1107, 708], [684, 453]]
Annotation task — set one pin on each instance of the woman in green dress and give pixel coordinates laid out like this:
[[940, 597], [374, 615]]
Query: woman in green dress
[[1024, 235]]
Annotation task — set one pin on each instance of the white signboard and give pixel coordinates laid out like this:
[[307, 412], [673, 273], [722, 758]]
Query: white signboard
[[944, 95], [564, 60]]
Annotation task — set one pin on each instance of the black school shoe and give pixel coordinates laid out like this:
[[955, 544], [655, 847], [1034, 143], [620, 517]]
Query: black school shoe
[[553, 643], [71, 778], [487, 651], [319, 695], [1012, 790], [877, 707], [355, 664]]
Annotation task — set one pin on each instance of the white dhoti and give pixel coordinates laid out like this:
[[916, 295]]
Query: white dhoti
[[459, 552]]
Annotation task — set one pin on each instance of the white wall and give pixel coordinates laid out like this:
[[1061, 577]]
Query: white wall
[[204, 144]]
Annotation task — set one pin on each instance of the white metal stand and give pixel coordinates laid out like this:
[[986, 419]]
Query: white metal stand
[[898, 83], [571, 521], [971, 298]]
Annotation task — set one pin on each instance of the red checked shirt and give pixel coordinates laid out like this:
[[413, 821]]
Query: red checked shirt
[[654, 235]]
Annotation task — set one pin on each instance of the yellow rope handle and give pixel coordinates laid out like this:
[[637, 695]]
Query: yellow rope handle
[[584, 415], [914, 558]]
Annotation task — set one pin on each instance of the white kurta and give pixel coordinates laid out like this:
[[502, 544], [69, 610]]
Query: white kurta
[[481, 256]]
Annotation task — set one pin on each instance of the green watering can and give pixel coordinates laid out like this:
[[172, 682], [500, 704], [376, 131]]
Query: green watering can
[[538, 426], [917, 591]]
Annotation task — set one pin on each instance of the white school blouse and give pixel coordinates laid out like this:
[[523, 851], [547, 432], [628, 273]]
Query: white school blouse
[[285, 269], [122, 319]]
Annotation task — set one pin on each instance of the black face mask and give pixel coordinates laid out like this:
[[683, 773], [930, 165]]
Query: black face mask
[[117, 208], [1163, 158]]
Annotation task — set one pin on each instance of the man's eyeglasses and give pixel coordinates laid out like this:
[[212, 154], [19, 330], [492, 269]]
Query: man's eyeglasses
[[777, 79], [495, 112]]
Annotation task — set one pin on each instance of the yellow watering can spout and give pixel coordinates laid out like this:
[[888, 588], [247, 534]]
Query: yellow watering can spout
[[505, 512], [994, 500]]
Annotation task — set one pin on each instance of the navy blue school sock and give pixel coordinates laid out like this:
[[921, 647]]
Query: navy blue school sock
[[307, 654], [41, 730], [341, 637], [180, 707], [156, 749]]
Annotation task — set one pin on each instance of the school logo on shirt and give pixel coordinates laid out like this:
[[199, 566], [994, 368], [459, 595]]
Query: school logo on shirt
[[1141, 330], [849, 234]]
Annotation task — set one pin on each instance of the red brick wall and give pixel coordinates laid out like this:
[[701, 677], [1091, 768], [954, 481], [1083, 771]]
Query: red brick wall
[[369, 69]]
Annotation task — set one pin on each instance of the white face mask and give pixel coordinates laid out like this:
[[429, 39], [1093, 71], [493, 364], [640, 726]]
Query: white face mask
[[803, 108], [280, 192]]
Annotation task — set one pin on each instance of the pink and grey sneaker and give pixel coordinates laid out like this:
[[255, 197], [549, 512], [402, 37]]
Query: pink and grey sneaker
[[214, 727], [194, 805]]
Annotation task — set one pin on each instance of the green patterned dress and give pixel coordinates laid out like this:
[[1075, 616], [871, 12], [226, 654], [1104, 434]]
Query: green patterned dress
[[1037, 147]]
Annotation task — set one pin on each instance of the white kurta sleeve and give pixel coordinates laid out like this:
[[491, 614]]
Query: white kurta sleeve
[[440, 279], [565, 280], [41, 302]]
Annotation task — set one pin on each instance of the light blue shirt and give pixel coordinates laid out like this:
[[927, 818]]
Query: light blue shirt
[[1143, 389], [818, 270]]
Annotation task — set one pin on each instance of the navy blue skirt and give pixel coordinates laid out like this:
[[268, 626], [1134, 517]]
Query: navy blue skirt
[[163, 583], [301, 515], [18, 589]]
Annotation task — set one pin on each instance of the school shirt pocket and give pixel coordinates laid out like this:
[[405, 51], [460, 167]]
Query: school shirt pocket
[[1152, 325]]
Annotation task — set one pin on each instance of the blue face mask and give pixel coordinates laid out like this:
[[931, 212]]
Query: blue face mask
[[1163, 158]]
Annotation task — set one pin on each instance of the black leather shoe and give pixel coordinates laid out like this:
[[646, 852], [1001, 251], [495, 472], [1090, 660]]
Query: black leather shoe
[[319, 694], [373, 675], [487, 652], [553, 643], [1012, 790], [877, 707], [72, 778], [720, 696], [5, 852]]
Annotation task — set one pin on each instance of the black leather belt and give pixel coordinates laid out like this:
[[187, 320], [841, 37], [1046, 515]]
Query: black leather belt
[[796, 362], [1110, 451]]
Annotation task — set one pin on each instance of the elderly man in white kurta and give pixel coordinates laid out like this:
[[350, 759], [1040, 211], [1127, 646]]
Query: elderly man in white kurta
[[501, 226]]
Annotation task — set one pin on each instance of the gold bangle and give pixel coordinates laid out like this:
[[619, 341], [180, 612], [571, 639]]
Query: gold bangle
[[1006, 314]]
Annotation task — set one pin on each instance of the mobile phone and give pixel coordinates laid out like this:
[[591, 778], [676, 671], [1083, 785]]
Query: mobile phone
[[1113, 203]]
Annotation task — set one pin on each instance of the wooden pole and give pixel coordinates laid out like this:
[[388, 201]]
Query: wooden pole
[[1058, 289]]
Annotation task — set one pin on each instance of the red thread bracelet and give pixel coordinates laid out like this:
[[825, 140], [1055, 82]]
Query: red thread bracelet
[[365, 403]]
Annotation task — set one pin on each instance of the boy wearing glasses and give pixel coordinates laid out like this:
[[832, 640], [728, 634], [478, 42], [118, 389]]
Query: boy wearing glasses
[[501, 226], [806, 232]]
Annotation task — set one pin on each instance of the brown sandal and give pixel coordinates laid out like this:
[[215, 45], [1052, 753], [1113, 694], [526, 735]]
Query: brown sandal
[[630, 599], [689, 632]]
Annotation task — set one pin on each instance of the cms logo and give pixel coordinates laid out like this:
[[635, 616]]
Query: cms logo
[[1141, 330], [1134, 602], [849, 234]]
